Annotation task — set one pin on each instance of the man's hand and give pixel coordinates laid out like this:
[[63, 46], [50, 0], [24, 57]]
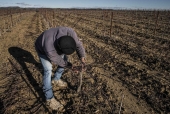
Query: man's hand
[[69, 65], [77, 69]]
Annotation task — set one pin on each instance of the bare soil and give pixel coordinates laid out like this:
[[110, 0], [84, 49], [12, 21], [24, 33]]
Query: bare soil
[[113, 82]]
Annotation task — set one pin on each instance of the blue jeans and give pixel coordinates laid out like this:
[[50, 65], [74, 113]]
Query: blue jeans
[[47, 66]]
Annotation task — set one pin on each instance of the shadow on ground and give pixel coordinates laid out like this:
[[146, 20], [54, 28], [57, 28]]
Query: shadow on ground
[[22, 57]]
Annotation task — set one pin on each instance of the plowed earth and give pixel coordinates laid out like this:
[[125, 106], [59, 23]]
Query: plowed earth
[[115, 81]]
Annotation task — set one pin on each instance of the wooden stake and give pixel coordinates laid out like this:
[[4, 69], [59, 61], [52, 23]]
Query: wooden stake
[[79, 88], [111, 24], [156, 22], [121, 104], [11, 19]]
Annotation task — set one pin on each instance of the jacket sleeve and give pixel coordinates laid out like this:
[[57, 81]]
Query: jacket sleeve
[[80, 49]]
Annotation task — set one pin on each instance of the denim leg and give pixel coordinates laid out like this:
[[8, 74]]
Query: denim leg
[[47, 66], [60, 69]]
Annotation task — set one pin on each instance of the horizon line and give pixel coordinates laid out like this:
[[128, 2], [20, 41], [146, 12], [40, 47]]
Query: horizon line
[[112, 8]]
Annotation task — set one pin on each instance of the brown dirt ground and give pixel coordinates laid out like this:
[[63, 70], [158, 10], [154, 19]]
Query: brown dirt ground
[[21, 78]]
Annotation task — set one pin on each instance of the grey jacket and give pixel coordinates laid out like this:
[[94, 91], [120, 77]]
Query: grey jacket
[[46, 44]]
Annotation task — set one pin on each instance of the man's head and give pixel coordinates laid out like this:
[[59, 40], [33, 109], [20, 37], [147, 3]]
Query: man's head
[[67, 44]]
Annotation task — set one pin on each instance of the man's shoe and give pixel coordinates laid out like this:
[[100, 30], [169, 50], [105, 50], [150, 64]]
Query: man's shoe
[[54, 104], [59, 83]]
